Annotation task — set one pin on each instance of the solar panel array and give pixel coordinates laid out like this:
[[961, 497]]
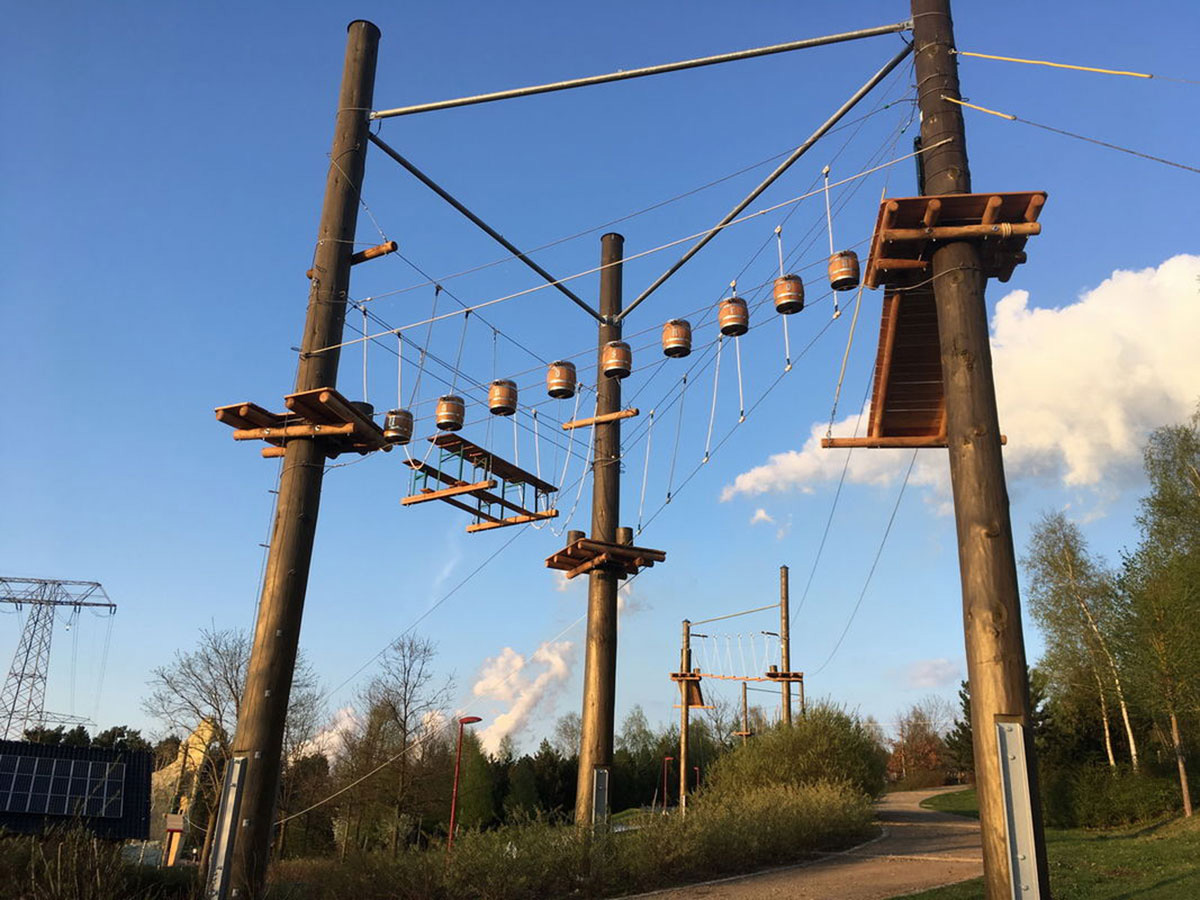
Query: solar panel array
[[45, 785]]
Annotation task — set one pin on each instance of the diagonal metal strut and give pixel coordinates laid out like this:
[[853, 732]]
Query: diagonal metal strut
[[482, 225], [770, 179]]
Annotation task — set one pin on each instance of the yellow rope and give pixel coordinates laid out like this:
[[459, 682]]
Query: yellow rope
[[1043, 62], [980, 108]]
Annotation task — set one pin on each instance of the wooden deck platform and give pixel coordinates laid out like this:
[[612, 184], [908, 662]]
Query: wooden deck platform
[[584, 555], [322, 413], [908, 407]]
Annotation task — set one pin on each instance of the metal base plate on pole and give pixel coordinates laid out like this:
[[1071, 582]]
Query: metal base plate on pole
[[222, 849], [1018, 811]]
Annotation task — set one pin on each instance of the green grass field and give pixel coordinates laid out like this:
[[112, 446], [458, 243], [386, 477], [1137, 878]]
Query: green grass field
[[1150, 862]]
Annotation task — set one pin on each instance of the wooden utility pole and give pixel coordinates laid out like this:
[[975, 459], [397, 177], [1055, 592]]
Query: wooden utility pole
[[745, 715], [785, 638], [600, 665], [991, 604], [685, 668], [264, 705]]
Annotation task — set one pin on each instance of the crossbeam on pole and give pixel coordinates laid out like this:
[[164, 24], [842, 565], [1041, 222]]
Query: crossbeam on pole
[[626, 74]]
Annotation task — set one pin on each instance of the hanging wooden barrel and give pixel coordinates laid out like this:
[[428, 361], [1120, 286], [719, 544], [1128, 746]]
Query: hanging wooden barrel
[[843, 270], [733, 316], [450, 412], [677, 338], [398, 426], [789, 295], [502, 397], [560, 380], [617, 359]]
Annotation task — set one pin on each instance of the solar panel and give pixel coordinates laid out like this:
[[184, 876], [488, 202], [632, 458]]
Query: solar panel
[[61, 787]]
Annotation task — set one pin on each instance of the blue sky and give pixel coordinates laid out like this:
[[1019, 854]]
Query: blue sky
[[162, 188]]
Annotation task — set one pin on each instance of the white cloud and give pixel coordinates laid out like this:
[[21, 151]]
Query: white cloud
[[504, 678], [933, 673], [330, 741], [761, 515], [1078, 388]]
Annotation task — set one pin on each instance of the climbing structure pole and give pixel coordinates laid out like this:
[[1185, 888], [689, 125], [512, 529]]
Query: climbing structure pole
[[600, 665], [259, 738], [991, 604]]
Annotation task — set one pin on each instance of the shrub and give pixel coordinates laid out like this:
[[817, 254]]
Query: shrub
[[767, 825], [1100, 797], [828, 744]]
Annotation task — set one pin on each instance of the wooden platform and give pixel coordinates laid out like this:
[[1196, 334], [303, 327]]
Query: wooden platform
[[480, 483], [584, 555], [790, 677], [322, 413], [909, 229], [908, 407], [691, 682]]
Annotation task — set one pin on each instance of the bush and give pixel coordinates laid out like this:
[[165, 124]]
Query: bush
[[767, 825], [76, 865], [828, 744], [1101, 797]]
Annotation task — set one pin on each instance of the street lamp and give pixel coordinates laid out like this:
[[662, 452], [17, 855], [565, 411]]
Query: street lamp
[[465, 720], [666, 759]]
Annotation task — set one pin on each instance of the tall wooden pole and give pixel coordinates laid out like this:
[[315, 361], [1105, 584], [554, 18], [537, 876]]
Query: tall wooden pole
[[685, 667], [259, 737], [600, 665], [991, 604], [785, 640], [745, 715]]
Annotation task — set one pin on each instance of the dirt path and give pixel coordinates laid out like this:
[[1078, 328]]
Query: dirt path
[[918, 849]]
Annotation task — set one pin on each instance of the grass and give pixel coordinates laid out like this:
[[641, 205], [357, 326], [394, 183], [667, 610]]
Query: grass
[[1150, 862], [961, 803]]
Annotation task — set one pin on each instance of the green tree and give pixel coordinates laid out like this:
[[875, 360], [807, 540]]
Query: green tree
[[1073, 598], [121, 737], [521, 799], [1162, 581]]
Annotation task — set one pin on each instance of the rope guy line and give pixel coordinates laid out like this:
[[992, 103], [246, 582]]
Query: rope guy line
[[1072, 134], [626, 74], [482, 225], [770, 179], [744, 612]]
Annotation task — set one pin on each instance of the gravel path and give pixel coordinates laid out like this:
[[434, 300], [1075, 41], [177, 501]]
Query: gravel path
[[918, 849]]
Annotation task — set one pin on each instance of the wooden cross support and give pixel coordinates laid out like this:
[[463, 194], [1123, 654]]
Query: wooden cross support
[[584, 555], [322, 414]]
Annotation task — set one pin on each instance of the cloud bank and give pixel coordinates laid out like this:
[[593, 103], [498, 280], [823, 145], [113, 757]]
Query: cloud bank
[[1078, 388], [506, 678]]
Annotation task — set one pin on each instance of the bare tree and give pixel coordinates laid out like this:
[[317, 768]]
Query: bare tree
[[205, 685]]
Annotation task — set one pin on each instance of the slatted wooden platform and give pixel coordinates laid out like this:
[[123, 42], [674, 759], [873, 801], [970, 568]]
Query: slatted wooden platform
[[322, 413], [908, 407], [695, 697], [908, 229], [480, 486], [791, 677], [584, 555]]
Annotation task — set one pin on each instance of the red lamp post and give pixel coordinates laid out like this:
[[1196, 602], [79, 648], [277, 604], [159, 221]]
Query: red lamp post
[[465, 720], [666, 759]]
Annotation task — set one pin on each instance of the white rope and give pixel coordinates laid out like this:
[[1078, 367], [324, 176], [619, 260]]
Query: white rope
[[678, 431], [713, 412], [645, 473], [729, 652], [462, 340], [741, 653], [837, 391], [571, 440], [737, 347], [537, 447], [828, 210], [399, 370], [366, 346], [437, 289], [516, 443]]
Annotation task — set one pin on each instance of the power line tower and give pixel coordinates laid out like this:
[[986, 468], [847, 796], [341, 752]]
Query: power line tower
[[23, 700]]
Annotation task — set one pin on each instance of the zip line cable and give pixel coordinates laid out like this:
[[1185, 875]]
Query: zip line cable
[[1072, 134], [870, 572]]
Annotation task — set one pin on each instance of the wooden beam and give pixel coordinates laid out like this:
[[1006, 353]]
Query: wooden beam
[[594, 563], [933, 212], [372, 252], [600, 420], [515, 520], [956, 232], [293, 431], [454, 490], [910, 441], [273, 452]]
